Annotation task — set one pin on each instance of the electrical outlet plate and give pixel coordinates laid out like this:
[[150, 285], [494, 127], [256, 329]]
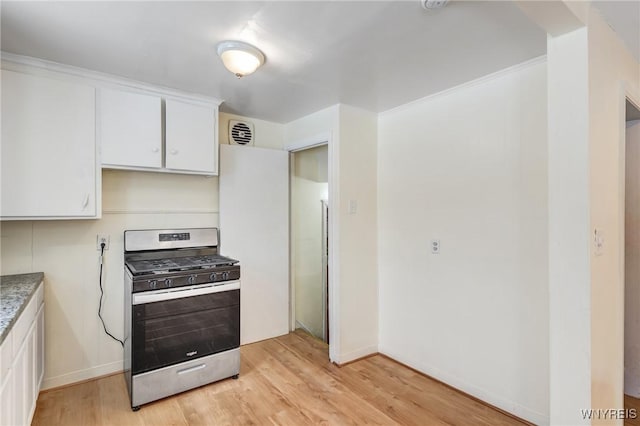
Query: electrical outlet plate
[[102, 238], [435, 246], [353, 207]]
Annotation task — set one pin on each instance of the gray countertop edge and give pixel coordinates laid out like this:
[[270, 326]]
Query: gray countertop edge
[[35, 277]]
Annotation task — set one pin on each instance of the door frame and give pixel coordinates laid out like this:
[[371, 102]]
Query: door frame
[[626, 94], [324, 138]]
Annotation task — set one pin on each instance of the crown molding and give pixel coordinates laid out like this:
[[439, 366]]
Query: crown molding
[[100, 79]]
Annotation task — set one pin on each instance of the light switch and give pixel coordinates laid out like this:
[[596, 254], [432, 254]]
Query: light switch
[[353, 207]]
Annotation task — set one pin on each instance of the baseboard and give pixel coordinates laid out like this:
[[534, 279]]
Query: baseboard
[[507, 406], [356, 355], [81, 375], [304, 327]]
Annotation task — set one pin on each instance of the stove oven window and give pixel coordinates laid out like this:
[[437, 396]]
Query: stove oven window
[[172, 331]]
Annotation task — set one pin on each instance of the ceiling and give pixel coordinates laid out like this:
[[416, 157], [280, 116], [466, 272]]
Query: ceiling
[[371, 54], [624, 18]]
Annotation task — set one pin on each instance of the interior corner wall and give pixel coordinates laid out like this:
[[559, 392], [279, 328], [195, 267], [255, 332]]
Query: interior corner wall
[[469, 168], [569, 228], [612, 70], [357, 212]]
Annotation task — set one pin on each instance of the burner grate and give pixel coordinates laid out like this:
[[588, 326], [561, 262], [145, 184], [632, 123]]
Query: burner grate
[[178, 264]]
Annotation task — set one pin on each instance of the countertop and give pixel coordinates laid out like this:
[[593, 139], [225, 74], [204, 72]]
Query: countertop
[[15, 293]]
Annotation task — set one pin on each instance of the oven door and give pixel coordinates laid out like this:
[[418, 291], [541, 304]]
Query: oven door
[[169, 327]]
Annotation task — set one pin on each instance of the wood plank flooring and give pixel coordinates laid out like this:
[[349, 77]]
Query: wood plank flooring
[[284, 381], [632, 403]]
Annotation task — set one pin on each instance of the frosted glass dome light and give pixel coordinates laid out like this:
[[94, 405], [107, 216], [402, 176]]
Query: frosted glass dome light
[[239, 57]]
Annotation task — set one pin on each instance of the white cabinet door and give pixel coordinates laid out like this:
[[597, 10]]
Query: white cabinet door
[[20, 383], [48, 148], [39, 360], [191, 141], [6, 355], [29, 378], [7, 400], [6, 381], [130, 128], [20, 366]]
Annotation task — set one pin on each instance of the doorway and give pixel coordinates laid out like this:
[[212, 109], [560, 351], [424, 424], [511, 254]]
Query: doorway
[[309, 240], [632, 258]]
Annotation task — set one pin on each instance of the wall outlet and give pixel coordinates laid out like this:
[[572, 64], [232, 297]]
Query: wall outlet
[[102, 238], [435, 246]]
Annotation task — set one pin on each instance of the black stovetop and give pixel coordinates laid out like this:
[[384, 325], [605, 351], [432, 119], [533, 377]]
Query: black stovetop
[[174, 261]]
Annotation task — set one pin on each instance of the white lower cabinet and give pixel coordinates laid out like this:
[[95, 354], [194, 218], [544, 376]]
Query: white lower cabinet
[[7, 405], [39, 353], [21, 382]]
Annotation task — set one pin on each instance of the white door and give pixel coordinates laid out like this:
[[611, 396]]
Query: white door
[[254, 228]]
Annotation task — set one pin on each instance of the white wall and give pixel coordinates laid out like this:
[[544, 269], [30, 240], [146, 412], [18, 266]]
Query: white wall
[[321, 122], [468, 167], [569, 233], [254, 228], [632, 262], [353, 293], [590, 67], [65, 250], [611, 68], [308, 187], [358, 241]]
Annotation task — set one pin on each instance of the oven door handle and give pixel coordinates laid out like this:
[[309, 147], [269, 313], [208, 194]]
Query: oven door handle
[[162, 295], [192, 369]]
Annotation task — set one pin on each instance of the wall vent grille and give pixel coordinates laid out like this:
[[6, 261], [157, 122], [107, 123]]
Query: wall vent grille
[[241, 132]]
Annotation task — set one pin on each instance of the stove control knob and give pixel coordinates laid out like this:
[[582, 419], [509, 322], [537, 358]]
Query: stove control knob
[[225, 275], [168, 282], [153, 284], [191, 279], [213, 276]]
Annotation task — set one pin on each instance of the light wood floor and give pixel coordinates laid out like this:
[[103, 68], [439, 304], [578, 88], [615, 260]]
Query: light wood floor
[[632, 403], [288, 380]]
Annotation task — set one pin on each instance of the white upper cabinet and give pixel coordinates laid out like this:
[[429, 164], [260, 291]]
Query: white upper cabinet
[[131, 125], [48, 150], [191, 142], [130, 128]]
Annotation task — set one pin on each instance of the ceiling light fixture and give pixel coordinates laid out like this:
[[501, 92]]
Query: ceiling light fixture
[[434, 4], [239, 57]]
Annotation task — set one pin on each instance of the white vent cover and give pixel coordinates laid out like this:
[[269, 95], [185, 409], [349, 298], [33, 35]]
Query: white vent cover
[[241, 132]]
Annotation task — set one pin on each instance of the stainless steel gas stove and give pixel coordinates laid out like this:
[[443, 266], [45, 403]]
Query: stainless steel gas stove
[[182, 312]]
